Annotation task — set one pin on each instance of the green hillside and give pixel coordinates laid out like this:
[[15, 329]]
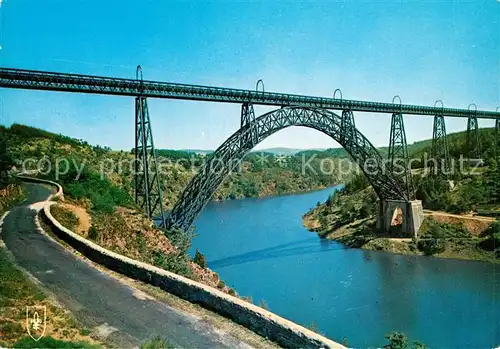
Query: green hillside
[[261, 174], [457, 145]]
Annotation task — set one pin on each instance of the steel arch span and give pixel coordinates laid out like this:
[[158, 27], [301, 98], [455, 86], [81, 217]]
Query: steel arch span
[[204, 184]]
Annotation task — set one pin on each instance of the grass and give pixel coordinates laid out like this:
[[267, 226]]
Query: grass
[[157, 343], [50, 342], [11, 196], [17, 291], [64, 216]]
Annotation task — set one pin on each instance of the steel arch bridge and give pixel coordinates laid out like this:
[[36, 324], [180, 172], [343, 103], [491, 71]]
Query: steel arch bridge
[[394, 187], [341, 128]]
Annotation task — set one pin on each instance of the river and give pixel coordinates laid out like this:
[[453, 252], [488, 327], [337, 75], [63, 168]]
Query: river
[[259, 247]]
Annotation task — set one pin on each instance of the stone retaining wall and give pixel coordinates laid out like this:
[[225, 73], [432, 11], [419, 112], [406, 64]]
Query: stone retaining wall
[[262, 322]]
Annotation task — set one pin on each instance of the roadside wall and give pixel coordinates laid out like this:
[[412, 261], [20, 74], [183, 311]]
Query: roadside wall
[[262, 322]]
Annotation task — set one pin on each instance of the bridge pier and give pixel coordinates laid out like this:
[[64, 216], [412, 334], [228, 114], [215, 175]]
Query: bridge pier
[[497, 138], [399, 217], [398, 155], [440, 153], [148, 194], [473, 145]]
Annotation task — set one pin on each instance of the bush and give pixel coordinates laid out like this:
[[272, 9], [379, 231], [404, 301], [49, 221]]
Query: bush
[[431, 246], [174, 262], [200, 259], [433, 192], [65, 217], [93, 233], [6, 162], [103, 194], [492, 242], [433, 229], [397, 340], [157, 343]]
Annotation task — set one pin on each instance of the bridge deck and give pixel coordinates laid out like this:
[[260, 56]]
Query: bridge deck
[[40, 80]]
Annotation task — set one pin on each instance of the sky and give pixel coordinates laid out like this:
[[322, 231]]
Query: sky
[[372, 50]]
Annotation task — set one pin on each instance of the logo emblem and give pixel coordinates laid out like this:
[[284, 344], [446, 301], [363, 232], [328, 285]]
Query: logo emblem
[[36, 321]]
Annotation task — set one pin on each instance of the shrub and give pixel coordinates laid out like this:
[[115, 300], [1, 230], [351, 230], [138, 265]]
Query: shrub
[[157, 343], [175, 262], [200, 259], [65, 217], [438, 230], [431, 246], [93, 233], [221, 284], [492, 242], [397, 340], [6, 162], [103, 194]]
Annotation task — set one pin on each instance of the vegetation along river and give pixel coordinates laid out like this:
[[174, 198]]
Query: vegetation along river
[[259, 247]]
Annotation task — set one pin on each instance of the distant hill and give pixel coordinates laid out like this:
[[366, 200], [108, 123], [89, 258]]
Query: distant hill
[[196, 151], [275, 151], [283, 151]]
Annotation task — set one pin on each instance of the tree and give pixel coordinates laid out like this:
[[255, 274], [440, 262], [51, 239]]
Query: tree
[[200, 259], [397, 340], [6, 161]]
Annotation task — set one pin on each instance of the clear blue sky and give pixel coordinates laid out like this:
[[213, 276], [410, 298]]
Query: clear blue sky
[[372, 50]]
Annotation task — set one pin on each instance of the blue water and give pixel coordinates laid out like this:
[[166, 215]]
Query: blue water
[[259, 247]]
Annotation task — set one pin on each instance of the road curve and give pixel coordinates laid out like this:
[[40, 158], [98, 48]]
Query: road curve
[[96, 299]]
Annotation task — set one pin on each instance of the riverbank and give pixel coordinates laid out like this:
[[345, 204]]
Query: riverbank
[[349, 218]]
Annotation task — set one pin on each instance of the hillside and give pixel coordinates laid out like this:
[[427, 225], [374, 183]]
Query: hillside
[[262, 174], [450, 230], [98, 186], [457, 145]]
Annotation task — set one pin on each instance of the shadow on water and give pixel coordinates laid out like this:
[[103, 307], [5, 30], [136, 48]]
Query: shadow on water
[[310, 246]]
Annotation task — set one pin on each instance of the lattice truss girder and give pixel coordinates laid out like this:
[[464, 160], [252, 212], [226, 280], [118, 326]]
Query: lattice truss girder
[[398, 156], [225, 159], [40, 80], [148, 193]]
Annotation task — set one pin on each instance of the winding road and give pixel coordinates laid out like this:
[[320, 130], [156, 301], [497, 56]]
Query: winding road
[[96, 299]]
